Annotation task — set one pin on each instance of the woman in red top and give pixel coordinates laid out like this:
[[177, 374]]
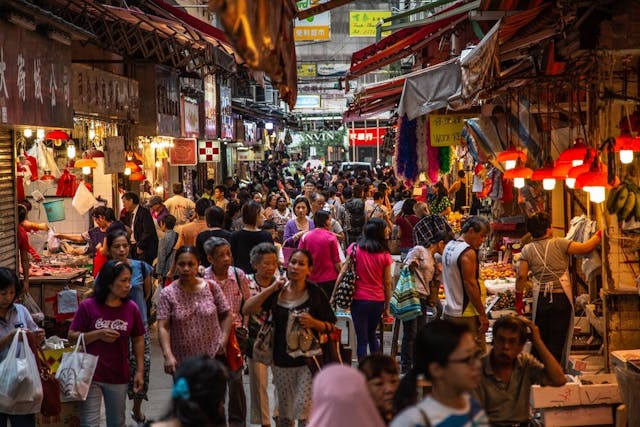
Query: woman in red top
[[405, 222]]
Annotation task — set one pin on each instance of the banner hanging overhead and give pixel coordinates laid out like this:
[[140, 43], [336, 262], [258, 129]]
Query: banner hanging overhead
[[445, 129], [314, 28]]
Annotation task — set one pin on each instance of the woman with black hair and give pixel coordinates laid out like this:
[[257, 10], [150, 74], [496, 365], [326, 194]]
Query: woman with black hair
[[108, 320], [441, 205], [14, 317], [242, 241], [197, 397], [373, 284], [297, 300], [447, 355], [546, 259]]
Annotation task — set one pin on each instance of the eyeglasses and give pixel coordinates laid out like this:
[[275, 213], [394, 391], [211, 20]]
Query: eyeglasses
[[469, 360]]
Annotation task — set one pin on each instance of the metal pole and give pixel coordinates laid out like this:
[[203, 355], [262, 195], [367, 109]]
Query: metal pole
[[365, 130], [378, 140], [353, 147]]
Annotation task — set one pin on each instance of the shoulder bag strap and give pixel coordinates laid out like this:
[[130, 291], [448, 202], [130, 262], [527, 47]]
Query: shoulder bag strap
[[425, 418]]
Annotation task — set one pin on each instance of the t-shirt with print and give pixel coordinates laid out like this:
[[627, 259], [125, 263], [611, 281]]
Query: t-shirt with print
[[194, 318], [113, 358], [440, 415], [370, 271], [255, 320]]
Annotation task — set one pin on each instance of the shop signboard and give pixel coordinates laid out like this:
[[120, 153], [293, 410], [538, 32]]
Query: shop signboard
[[368, 137], [333, 69], [307, 102], [362, 23], [35, 79], [190, 119], [226, 117], [168, 99], [445, 129], [183, 152], [307, 70], [98, 92], [314, 28], [209, 151], [210, 110], [114, 158]]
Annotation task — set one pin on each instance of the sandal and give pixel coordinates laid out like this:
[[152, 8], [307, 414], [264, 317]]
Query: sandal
[[138, 420]]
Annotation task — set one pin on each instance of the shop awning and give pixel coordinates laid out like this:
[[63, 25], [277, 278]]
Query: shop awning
[[402, 43], [430, 89], [131, 32], [375, 98]]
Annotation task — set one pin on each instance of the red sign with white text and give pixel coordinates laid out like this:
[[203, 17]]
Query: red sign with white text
[[366, 137]]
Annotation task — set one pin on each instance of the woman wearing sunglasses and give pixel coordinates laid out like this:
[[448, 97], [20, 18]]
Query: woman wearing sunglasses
[[447, 355]]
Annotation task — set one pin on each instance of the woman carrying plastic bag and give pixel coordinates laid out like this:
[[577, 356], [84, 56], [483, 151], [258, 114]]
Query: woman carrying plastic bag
[[20, 387]]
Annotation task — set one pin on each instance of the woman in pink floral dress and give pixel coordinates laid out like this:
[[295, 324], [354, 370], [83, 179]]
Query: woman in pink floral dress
[[193, 314]]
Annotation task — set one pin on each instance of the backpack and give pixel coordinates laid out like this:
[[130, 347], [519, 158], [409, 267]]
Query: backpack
[[354, 216]]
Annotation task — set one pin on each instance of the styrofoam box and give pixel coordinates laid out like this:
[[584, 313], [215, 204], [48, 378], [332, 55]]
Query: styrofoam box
[[580, 416], [620, 357], [551, 397], [599, 393]]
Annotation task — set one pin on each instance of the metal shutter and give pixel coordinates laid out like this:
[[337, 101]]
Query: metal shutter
[[8, 239]]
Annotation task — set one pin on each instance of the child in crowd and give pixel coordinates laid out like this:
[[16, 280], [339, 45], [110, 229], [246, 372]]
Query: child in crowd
[[272, 228], [166, 252]]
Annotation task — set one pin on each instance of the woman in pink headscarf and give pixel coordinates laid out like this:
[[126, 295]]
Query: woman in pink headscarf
[[341, 399]]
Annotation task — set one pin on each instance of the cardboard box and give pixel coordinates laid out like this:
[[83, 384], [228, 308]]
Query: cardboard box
[[602, 390], [551, 397], [69, 417], [580, 416]]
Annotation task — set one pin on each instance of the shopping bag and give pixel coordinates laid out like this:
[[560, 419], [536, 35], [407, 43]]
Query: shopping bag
[[287, 251], [405, 301], [20, 387], [76, 372], [343, 295], [32, 306], [51, 405], [263, 345], [83, 200]]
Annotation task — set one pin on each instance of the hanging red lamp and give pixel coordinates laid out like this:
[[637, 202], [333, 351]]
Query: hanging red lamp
[[574, 154], [518, 174], [510, 157], [86, 165], [626, 146], [130, 167], [57, 134], [137, 176], [595, 181], [575, 171], [545, 174], [561, 170]]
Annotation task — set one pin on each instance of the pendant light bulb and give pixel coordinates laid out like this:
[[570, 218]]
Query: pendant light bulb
[[596, 194], [28, 133], [571, 182], [626, 156], [86, 170], [71, 151], [575, 163], [509, 164], [549, 184], [158, 163], [127, 171], [518, 182], [40, 133]]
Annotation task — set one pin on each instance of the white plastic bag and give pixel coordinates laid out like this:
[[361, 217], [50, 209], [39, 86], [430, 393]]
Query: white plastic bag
[[83, 200], [53, 243], [67, 301], [20, 386], [75, 372], [32, 307]]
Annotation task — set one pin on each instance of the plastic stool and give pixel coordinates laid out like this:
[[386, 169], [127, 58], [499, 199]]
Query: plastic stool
[[345, 323]]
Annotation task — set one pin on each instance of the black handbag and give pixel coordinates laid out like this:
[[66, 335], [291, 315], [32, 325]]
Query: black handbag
[[346, 287]]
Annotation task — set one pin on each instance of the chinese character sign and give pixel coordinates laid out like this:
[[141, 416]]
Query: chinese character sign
[[366, 137], [362, 23], [445, 129], [183, 152], [314, 28], [34, 79], [226, 119], [210, 110]]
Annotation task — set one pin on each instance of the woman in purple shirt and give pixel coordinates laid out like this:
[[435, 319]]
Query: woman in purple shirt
[[108, 319], [300, 224]]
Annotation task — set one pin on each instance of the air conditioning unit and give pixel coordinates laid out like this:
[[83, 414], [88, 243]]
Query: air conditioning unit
[[258, 94]]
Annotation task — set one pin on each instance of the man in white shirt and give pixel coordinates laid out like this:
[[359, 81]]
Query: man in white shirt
[[180, 206]]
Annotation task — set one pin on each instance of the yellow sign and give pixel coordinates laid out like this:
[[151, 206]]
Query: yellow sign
[[307, 70], [445, 129], [362, 23]]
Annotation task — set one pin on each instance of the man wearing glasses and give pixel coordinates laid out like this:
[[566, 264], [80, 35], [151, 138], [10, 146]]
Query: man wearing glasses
[[508, 373]]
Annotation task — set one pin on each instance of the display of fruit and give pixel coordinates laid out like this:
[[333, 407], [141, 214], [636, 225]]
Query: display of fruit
[[496, 271], [624, 200], [506, 301]]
